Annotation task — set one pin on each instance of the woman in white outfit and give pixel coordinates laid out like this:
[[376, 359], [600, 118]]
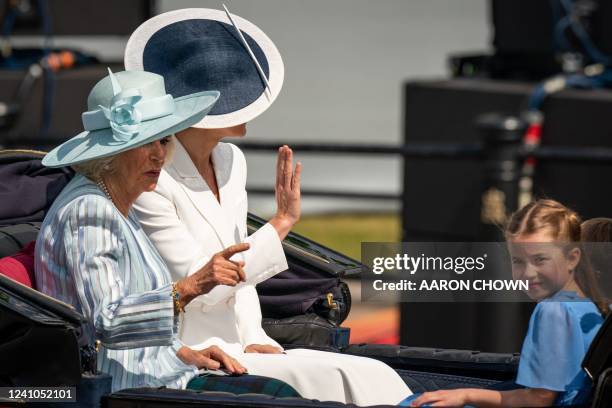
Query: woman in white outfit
[[200, 203]]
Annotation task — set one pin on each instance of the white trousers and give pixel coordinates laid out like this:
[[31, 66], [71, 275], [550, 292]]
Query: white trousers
[[329, 376]]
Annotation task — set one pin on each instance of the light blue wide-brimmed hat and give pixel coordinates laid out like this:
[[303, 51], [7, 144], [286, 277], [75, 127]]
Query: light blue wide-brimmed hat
[[126, 110]]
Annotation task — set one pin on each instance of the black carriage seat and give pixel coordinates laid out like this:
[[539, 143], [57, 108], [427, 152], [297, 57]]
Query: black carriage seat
[[598, 365], [429, 369]]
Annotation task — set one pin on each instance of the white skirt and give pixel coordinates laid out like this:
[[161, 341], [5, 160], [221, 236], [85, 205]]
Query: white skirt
[[329, 376]]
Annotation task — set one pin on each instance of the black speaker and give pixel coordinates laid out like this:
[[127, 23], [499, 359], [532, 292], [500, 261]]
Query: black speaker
[[446, 203], [531, 29], [533, 39], [74, 17], [523, 26], [67, 100]]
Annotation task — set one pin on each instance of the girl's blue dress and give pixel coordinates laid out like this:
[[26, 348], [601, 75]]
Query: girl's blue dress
[[560, 332]]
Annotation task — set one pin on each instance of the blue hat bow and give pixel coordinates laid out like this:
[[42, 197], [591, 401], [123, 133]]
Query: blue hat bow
[[127, 111]]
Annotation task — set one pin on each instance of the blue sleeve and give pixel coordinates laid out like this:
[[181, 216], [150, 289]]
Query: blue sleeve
[[99, 262], [553, 348]]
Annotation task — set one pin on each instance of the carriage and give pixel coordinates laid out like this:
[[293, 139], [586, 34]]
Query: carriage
[[41, 342]]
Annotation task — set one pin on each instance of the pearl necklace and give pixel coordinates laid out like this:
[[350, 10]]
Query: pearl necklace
[[100, 183], [103, 187]]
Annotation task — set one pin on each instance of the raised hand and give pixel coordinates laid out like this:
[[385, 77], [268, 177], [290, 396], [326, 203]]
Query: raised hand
[[220, 270], [287, 192]]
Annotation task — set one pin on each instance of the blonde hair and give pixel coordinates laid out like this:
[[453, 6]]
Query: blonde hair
[[97, 169], [563, 224]]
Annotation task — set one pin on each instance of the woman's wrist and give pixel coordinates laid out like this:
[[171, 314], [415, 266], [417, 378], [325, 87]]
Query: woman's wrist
[[178, 307], [282, 224], [184, 293], [483, 397], [470, 396]]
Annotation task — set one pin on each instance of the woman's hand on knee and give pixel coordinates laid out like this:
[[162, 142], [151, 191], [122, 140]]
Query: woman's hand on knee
[[193, 357], [219, 270], [262, 348], [212, 358], [215, 354], [287, 192]]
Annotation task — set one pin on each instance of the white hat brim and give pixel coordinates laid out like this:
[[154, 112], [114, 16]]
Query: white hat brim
[[137, 42]]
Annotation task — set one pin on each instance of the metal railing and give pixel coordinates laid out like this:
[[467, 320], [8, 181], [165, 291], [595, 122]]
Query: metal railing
[[438, 151]]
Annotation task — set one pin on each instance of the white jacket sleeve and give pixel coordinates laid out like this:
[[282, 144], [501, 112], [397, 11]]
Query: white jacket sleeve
[[183, 254], [248, 313], [266, 256], [264, 259]]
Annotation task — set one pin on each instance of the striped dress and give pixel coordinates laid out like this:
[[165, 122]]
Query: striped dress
[[90, 256]]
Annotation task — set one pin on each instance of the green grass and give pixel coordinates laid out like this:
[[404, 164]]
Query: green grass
[[345, 232]]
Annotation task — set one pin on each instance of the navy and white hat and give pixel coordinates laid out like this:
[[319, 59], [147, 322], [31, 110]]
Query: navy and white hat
[[200, 49]]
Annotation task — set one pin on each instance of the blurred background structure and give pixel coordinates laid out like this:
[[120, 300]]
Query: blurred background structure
[[389, 104]]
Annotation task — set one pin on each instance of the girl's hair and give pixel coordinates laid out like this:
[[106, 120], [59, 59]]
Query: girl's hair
[[594, 231], [597, 230], [563, 225]]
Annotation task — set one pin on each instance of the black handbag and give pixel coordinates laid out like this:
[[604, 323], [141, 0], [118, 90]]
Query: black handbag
[[307, 331], [303, 290], [305, 305]]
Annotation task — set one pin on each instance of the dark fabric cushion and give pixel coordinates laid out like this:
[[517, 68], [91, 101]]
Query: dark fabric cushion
[[465, 363], [27, 188], [244, 384], [419, 381], [13, 238], [165, 397]]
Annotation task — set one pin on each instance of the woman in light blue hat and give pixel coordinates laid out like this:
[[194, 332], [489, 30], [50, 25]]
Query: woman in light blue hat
[[91, 252], [200, 203]]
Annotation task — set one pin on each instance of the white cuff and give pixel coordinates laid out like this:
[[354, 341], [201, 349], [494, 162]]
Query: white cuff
[[264, 259], [259, 337]]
